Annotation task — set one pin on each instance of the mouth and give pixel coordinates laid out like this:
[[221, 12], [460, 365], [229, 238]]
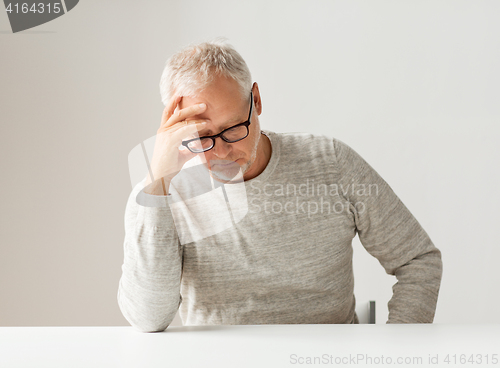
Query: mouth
[[232, 163], [224, 163], [226, 170]]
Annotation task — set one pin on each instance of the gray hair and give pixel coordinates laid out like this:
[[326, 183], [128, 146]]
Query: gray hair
[[192, 69]]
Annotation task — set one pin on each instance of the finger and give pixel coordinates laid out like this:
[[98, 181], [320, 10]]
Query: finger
[[169, 109], [199, 122], [185, 113], [181, 124], [189, 131], [186, 155]]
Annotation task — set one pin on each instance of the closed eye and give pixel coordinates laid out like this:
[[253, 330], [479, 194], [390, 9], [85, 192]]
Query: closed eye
[[231, 129], [207, 134]]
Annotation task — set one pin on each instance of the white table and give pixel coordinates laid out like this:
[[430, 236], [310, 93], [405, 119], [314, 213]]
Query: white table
[[251, 346]]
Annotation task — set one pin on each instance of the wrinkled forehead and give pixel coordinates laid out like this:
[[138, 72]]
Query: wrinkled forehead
[[219, 89], [222, 111]]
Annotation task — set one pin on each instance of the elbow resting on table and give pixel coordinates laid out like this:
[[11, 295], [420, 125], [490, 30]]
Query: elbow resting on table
[[149, 328], [144, 319]]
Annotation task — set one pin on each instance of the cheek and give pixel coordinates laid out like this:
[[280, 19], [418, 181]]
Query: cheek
[[247, 147]]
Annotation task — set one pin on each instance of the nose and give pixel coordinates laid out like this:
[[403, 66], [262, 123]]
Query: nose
[[221, 148]]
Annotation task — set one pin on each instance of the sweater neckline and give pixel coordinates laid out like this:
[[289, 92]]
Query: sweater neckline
[[275, 154]]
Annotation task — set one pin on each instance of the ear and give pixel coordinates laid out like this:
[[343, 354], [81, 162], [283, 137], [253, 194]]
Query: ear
[[256, 98]]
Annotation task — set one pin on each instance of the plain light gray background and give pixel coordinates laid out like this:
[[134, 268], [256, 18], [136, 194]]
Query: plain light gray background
[[411, 85]]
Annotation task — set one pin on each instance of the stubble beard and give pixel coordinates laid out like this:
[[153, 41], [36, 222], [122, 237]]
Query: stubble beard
[[229, 174]]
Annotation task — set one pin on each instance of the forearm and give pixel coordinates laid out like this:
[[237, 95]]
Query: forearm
[[159, 187], [415, 294], [149, 289], [389, 232]]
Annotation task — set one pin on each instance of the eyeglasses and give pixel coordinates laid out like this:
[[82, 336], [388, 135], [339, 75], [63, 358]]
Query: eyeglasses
[[230, 135]]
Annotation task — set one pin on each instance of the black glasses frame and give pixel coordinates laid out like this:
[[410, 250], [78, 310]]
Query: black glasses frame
[[221, 134]]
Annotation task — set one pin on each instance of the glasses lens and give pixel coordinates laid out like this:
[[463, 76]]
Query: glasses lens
[[236, 133], [200, 145]]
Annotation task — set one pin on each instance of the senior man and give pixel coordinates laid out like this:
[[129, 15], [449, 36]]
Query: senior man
[[286, 256]]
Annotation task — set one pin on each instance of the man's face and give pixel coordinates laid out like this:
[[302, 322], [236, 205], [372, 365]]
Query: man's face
[[226, 108]]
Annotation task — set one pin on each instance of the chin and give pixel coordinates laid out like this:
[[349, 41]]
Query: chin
[[233, 172]]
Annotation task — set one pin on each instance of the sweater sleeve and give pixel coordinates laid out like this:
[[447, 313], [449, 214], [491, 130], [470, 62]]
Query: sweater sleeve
[[149, 288], [390, 233]]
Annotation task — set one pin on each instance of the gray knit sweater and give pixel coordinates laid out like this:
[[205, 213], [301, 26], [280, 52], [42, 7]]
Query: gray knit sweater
[[275, 249]]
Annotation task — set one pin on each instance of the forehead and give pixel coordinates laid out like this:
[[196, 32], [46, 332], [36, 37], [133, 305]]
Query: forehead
[[225, 105], [221, 93]]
